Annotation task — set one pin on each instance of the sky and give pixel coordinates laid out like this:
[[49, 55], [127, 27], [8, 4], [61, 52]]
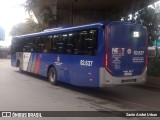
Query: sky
[[11, 13]]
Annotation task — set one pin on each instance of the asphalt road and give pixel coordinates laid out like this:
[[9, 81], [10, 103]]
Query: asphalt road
[[28, 92]]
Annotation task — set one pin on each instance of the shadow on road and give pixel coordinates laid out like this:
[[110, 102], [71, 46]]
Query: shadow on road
[[131, 96], [102, 93], [38, 77], [147, 87]]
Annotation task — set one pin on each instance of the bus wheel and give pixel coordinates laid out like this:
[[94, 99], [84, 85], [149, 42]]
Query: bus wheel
[[52, 76]]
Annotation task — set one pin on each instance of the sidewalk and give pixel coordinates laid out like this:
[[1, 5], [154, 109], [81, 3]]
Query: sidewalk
[[153, 81]]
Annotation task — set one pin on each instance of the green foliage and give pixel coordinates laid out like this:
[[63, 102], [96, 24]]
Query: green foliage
[[29, 6], [30, 26], [154, 66], [19, 29], [45, 15], [150, 19], [48, 19]]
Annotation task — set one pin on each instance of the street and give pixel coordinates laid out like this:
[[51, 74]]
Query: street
[[28, 92]]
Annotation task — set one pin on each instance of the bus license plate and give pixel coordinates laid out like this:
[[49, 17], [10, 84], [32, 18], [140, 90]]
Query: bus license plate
[[128, 80]]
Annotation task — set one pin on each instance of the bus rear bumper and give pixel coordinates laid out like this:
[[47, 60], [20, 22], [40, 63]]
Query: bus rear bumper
[[106, 79]]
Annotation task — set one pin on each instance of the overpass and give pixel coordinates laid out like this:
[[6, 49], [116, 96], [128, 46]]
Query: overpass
[[75, 12]]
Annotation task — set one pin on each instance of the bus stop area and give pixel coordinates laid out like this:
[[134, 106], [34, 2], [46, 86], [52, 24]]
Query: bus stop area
[[81, 59], [28, 92]]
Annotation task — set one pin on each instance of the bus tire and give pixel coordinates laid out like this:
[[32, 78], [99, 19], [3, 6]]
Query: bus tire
[[52, 76]]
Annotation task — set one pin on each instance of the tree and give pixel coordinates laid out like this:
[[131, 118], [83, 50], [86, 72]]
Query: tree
[[48, 19], [29, 6], [19, 29], [30, 26], [149, 18], [45, 15], [33, 26]]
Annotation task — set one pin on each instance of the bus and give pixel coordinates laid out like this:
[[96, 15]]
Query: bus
[[93, 55]]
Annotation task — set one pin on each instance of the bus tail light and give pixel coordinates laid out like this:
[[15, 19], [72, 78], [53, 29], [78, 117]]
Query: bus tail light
[[107, 48], [107, 63], [106, 60]]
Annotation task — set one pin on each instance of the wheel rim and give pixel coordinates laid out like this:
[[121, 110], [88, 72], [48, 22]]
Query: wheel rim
[[52, 76]]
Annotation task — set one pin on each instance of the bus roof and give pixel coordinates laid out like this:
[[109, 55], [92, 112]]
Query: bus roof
[[70, 28]]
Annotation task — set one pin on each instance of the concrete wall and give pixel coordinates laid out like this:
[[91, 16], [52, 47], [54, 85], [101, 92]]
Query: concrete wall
[[85, 16]]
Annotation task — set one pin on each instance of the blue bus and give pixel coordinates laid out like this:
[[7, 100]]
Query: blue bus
[[93, 55]]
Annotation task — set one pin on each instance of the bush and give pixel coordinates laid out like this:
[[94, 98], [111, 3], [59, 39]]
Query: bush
[[154, 66]]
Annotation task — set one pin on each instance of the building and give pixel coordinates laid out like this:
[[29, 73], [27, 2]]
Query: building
[[4, 52]]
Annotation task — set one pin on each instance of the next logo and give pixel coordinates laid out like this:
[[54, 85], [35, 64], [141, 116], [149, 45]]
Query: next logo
[[118, 50]]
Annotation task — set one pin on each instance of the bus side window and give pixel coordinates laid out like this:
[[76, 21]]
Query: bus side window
[[78, 43], [14, 45], [26, 47], [17, 45], [24, 42], [70, 43], [29, 45], [61, 43], [92, 42], [55, 45], [32, 44], [39, 44], [48, 44], [85, 42], [84, 39], [64, 43]]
